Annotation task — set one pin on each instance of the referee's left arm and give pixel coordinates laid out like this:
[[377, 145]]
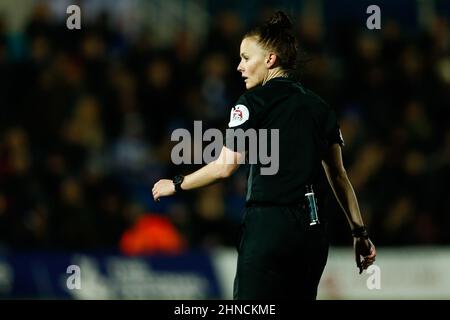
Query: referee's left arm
[[223, 167]]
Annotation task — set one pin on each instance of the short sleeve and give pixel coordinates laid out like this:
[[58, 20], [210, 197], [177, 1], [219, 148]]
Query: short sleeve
[[333, 132], [242, 118]]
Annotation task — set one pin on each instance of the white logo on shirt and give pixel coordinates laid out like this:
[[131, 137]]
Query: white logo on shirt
[[239, 114]]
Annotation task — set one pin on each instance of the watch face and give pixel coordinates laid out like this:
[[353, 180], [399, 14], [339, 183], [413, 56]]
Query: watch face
[[178, 179], [177, 182]]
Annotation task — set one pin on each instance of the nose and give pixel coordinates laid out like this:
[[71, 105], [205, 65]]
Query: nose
[[239, 67]]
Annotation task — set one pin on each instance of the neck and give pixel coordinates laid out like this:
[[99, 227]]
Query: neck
[[274, 73]]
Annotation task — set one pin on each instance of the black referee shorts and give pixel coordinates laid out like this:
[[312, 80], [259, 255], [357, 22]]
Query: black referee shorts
[[280, 256]]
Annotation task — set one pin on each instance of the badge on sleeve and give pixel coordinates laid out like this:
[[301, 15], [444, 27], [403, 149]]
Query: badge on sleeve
[[239, 114]]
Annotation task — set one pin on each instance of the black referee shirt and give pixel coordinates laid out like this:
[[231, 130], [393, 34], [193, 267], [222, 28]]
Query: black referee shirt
[[307, 126]]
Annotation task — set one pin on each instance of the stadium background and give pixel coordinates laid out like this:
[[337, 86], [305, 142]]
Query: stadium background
[[86, 118]]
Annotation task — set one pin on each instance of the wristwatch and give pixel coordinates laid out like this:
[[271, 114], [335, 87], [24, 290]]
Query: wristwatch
[[360, 232], [177, 181]]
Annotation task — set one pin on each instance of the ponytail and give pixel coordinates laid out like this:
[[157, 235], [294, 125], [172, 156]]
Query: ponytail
[[276, 34]]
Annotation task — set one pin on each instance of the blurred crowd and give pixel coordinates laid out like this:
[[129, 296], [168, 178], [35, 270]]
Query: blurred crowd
[[87, 116]]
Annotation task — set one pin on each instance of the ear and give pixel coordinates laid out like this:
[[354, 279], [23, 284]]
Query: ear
[[272, 60]]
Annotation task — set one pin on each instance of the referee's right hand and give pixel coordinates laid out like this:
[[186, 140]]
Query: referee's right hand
[[365, 253]]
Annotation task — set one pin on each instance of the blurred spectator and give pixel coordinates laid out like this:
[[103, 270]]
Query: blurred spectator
[[151, 234]]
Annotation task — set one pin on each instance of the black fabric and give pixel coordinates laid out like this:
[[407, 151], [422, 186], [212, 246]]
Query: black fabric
[[280, 255], [307, 126]]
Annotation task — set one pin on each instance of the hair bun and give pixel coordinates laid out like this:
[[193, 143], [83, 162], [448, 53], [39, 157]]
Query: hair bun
[[280, 20]]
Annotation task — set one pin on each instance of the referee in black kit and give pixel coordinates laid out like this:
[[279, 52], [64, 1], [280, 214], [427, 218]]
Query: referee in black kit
[[283, 247]]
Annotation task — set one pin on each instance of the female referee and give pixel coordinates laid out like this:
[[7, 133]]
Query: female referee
[[283, 247]]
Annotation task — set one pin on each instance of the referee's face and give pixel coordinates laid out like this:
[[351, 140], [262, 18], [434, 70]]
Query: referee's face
[[253, 66]]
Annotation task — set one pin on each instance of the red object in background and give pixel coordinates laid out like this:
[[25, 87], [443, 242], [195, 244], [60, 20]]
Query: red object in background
[[152, 234]]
